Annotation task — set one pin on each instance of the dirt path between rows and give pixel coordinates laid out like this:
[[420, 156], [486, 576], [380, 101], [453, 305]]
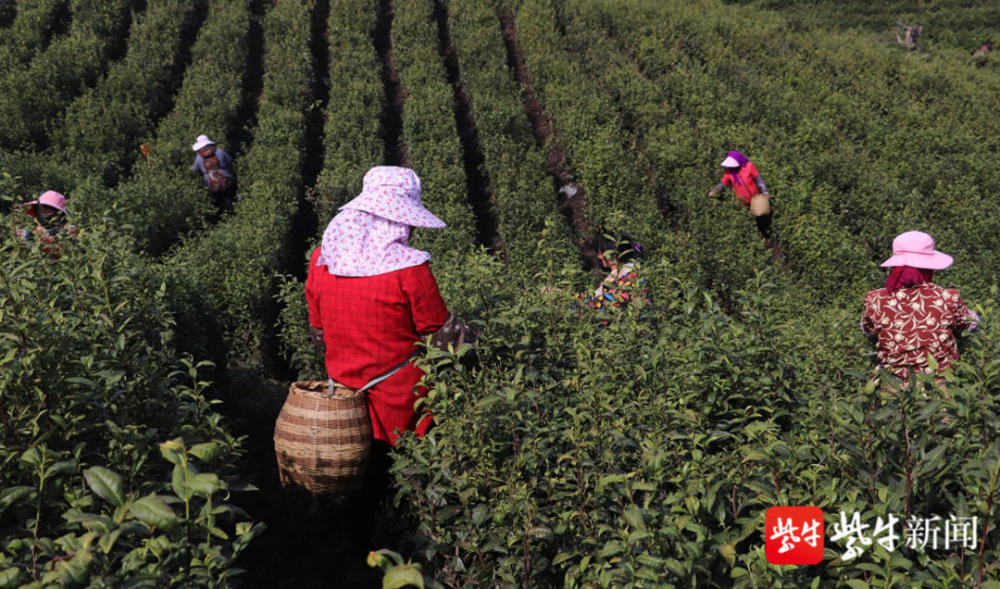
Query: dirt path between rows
[[572, 195], [477, 181], [391, 121]]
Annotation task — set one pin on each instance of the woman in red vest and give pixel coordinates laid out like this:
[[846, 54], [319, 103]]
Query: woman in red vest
[[742, 176]]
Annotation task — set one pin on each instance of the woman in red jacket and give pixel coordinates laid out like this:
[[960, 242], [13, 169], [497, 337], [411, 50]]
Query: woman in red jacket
[[372, 297], [742, 176], [912, 318]]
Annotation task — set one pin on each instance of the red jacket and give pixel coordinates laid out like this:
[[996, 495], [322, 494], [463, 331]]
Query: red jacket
[[748, 178], [913, 322], [370, 325]]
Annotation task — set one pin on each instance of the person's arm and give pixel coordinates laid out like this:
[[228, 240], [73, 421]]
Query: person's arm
[[197, 166], [428, 310], [761, 187], [867, 321], [225, 160], [971, 320], [963, 318], [717, 189], [312, 300]]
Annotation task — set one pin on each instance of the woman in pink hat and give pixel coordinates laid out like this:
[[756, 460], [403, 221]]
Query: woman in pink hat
[[911, 316], [742, 176], [372, 297], [49, 214]]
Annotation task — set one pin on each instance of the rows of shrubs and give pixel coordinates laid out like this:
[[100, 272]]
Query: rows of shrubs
[[29, 30], [144, 511], [429, 133], [97, 136], [634, 446], [522, 193], [160, 200], [352, 130], [859, 139], [229, 273], [35, 96]]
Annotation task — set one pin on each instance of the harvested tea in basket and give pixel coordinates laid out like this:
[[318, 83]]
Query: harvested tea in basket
[[322, 438]]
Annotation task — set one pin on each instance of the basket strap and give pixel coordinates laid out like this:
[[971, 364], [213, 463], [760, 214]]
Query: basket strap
[[380, 377]]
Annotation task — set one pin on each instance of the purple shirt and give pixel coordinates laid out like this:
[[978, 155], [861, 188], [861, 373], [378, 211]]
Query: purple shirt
[[224, 162]]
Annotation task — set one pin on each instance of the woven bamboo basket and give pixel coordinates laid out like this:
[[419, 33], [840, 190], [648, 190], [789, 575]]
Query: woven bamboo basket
[[760, 205], [322, 443]]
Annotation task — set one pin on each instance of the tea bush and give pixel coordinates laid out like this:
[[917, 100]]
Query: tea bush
[[160, 199], [35, 97], [29, 30], [94, 392], [230, 273], [641, 446]]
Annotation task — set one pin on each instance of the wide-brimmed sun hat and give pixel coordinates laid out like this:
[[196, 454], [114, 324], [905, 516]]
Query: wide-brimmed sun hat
[[49, 198], [201, 142], [393, 193], [916, 250]]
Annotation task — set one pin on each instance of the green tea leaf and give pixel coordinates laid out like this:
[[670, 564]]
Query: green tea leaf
[[153, 511], [402, 575], [207, 452], [106, 484], [205, 484], [173, 450]]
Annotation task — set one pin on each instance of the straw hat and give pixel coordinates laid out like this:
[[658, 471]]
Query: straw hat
[[393, 193], [49, 198], [201, 142], [916, 250]]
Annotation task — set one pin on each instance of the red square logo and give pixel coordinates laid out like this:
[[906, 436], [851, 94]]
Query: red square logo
[[793, 535]]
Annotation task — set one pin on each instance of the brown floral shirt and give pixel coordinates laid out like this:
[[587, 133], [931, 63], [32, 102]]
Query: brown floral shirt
[[913, 322]]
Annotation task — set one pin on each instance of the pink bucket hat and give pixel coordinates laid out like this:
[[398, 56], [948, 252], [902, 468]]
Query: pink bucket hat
[[393, 193], [50, 198], [201, 142], [916, 250]]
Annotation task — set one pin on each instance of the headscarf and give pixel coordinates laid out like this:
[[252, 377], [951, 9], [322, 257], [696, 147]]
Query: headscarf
[[742, 161], [358, 243], [906, 276], [370, 235]]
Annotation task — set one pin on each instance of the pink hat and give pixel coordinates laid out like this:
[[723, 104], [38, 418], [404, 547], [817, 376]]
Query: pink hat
[[201, 142], [393, 193], [50, 198], [916, 250]]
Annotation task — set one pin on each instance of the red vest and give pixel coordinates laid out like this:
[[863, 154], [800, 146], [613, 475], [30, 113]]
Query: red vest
[[748, 185]]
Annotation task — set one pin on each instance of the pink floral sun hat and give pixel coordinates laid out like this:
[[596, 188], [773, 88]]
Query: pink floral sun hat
[[393, 193], [50, 198], [916, 250]]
